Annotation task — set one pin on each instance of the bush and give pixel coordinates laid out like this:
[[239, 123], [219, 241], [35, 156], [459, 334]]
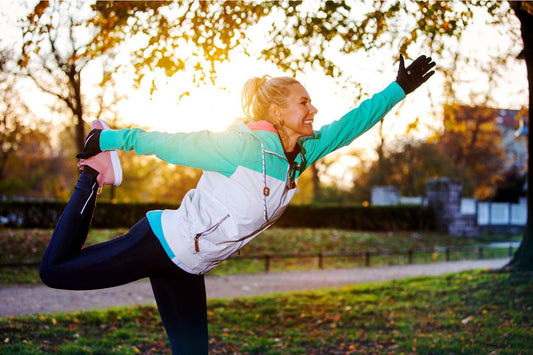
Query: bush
[[123, 215], [46, 214], [390, 218]]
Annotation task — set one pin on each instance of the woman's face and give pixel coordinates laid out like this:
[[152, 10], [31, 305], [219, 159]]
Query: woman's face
[[298, 114]]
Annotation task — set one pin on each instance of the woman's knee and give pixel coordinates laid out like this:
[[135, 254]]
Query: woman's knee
[[44, 274], [48, 276]]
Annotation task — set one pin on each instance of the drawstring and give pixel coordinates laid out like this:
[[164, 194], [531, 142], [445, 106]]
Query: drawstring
[[266, 189]]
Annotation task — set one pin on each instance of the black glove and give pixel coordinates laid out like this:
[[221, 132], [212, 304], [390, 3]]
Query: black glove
[[91, 147], [416, 74]]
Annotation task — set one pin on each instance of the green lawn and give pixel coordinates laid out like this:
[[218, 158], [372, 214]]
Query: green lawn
[[472, 312]]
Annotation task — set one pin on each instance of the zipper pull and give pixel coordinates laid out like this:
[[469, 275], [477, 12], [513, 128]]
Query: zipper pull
[[196, 246]]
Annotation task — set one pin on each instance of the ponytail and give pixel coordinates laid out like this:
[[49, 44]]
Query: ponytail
[[249, 92], [259, 93]]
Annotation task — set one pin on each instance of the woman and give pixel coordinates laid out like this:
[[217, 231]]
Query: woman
[[250, 175]]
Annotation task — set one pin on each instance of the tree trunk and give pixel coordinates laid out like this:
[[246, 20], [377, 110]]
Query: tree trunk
[[315, 180], [523, 258], [77, 104]]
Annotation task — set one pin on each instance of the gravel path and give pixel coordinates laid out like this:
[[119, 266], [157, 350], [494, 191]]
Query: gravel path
[[20, 300]]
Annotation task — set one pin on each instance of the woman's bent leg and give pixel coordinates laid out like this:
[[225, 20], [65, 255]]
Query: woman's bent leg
[[181, 301], [73, 225], [133, 256]]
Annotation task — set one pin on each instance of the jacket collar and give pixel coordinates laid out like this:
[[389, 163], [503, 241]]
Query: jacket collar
[[262, 126], [265, 126], [267, 133]]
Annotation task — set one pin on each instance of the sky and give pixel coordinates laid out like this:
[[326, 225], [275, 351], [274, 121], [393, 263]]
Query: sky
[[215, 107]]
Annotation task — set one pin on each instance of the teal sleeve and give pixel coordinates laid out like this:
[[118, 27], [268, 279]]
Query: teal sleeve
[[350, 126], [219, 151]]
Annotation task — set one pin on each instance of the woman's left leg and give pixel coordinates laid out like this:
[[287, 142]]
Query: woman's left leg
[[181, 300]]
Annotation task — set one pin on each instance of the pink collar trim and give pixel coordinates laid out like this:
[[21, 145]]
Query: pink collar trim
[[262, 126]]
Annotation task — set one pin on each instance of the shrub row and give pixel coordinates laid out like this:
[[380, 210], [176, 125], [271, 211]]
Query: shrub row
[[389, 218], [46, 214], [111, 215]]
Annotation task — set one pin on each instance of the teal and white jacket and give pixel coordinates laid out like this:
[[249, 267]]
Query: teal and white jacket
[[247, 180]]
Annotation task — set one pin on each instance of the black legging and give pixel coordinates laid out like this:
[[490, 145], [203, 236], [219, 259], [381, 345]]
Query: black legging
[[180, 296]]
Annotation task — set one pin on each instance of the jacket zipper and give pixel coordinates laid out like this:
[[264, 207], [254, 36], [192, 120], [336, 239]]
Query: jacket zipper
[[207, 232], [289, 184], [267, 223]]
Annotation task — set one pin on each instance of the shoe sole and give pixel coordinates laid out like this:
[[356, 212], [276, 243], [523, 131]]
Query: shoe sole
[[99, 124], [117, 167], [115, 161]]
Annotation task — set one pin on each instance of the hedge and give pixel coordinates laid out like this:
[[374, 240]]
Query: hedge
[[46, 214], [389, 218], [119, 215]]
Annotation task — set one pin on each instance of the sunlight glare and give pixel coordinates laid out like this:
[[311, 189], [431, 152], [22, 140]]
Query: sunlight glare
[[179, 105]]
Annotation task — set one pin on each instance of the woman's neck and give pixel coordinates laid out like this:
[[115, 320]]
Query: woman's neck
[[288, 143]]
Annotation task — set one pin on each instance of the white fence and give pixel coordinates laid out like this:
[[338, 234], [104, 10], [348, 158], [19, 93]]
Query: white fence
[[495, 213]]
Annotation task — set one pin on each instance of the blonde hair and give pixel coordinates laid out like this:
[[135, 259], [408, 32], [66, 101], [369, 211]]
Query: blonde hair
[[259, 93]]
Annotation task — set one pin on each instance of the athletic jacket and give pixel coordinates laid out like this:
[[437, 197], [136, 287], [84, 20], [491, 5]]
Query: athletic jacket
[[247, 181]]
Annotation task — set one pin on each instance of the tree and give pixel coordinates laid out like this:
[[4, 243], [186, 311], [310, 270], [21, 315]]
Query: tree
[[34, 170], [11, 110], [302, 34], [191, 35], [523, 258], [150, 179], [472, 141], [66, 43], [28, 168], [315, 29], [59, 45], [511, 188], [470, 148], [434, 21], [407, 166]]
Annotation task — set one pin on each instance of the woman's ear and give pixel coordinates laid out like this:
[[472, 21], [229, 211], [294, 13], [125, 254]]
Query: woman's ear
[[274, 111]]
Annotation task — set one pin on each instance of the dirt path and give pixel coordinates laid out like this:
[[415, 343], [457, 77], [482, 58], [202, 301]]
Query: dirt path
[[20, 300]]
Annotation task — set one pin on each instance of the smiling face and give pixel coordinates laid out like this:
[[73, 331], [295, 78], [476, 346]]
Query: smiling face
[[296, 116]]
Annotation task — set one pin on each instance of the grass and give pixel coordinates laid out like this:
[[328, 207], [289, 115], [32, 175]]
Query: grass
[[29, 245], [472, 312]]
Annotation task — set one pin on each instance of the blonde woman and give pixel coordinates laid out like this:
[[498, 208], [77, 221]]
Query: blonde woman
[[250, 175]]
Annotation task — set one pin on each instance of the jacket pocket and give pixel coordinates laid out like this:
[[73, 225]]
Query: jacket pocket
[[206, 232]]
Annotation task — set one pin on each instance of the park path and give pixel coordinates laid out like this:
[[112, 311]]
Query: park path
[[23, 300]]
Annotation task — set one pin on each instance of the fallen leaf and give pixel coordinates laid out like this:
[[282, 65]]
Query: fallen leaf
[[467, 320]]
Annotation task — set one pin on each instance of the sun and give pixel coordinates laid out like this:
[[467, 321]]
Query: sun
[[175, 108], [179, 105]]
